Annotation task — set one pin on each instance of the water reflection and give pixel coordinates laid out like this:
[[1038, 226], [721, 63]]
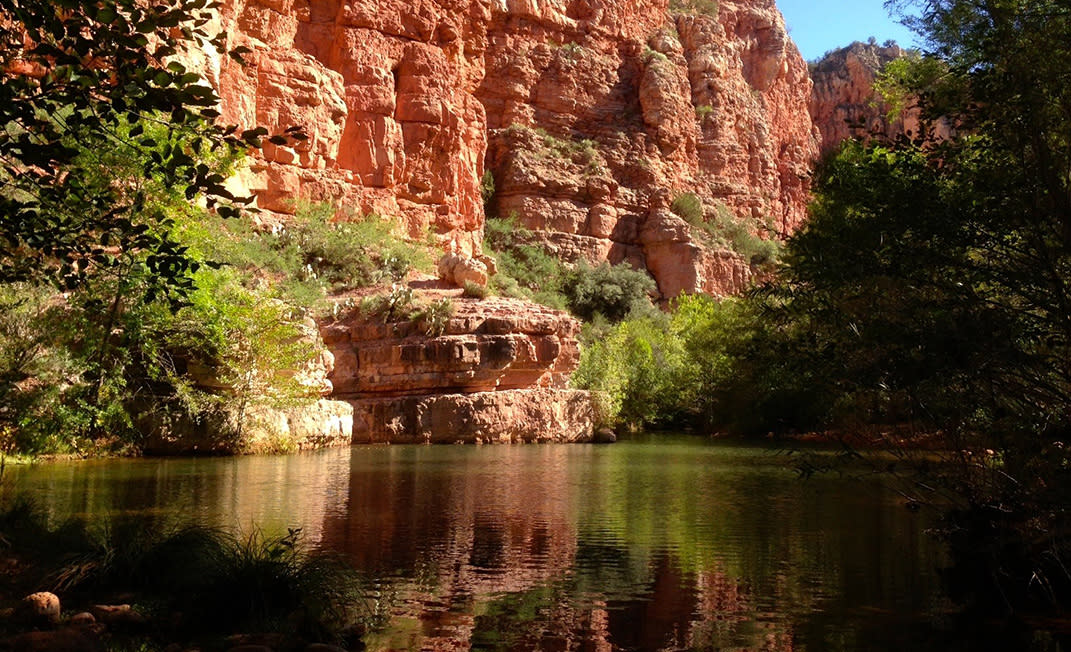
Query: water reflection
[[676, 544]]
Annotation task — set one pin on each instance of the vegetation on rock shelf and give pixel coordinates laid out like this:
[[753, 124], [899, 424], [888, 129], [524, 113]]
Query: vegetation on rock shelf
[[527, 271], [726, 230], [584, 152], [702, 7]]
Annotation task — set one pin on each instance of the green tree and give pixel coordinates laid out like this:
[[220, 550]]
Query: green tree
[[108, 145], [86, 79], [931, 284], [607, 291]]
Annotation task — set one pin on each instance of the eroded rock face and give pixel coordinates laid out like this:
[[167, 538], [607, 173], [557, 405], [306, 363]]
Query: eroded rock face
[[843, 103], [501, 417], [496, 373], [596, 126], [490, 345], [383, 90], [588, 111]]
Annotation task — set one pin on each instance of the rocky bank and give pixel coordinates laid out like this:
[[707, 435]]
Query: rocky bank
[[496, 372]]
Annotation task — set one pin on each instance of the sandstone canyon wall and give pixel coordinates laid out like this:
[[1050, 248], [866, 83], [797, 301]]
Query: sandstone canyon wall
[[599, 117], [591, 116], [844, 104]]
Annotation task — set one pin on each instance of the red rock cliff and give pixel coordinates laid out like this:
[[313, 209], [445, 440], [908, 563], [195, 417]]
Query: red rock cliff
[[844, 104], [592, 115]]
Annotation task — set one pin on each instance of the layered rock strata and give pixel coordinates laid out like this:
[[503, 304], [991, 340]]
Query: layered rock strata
[[844, 104], [597, 125], [497, 372], [592, 115], [504, 417]]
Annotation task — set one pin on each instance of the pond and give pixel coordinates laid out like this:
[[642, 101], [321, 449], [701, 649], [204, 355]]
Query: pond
[[659, 543]]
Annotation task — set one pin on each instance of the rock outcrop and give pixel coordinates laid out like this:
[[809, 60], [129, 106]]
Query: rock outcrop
[[488, 345], [497, 372], [591, 115], [844, 104]]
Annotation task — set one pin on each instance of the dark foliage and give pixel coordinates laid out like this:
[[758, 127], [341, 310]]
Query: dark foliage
[[610, 291], [221, 582], [91, 78]]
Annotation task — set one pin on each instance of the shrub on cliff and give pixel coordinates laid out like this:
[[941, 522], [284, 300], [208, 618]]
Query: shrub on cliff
[[727, 230], [525, 271], [702, 7], [606, 291], [689, 207]]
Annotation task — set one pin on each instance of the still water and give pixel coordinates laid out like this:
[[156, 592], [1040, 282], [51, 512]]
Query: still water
[[655, 544]]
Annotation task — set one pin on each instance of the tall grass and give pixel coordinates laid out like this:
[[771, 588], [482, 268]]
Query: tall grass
[[221, 581]]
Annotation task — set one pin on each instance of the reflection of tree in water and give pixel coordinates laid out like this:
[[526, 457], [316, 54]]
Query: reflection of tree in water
[[634, 548], [579, 548]]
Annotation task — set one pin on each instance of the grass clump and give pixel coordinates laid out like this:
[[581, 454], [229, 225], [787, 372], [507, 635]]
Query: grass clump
[[726, 230], [689, 207], [475, 290], [696, 7], [395, 305], [312, 249], [652, 56], [401, 304], [525, 271], [571, 51], [435, 316], [220, 581]]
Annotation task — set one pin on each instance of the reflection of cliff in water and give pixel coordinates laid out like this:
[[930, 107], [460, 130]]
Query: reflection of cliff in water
[[544, 547], [672, 544]]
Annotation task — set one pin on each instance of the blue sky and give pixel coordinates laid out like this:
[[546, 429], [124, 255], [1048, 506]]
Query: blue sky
[[821, 25]]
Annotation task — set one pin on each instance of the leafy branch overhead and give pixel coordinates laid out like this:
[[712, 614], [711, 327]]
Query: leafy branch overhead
[[86, 79]]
